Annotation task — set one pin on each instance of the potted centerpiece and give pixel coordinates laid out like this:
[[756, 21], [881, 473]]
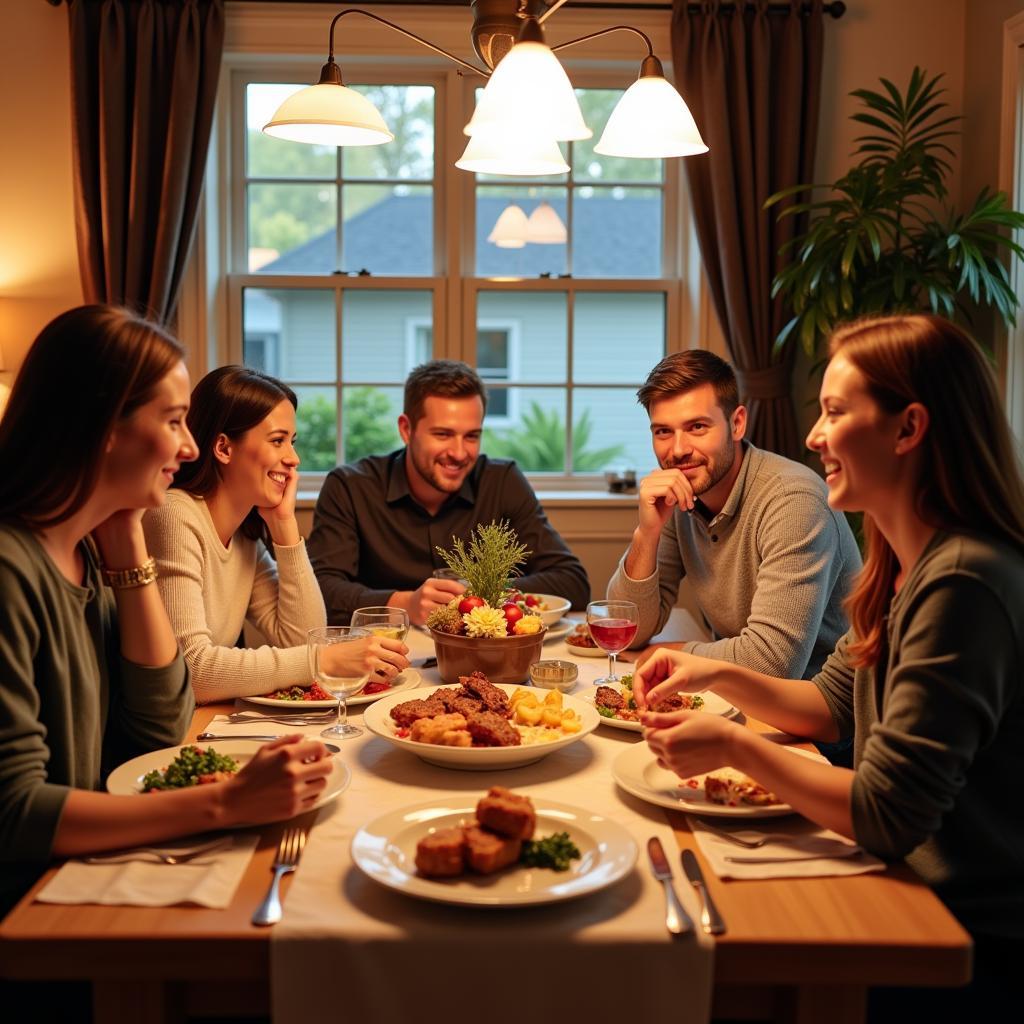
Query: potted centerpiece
[[486, 630]]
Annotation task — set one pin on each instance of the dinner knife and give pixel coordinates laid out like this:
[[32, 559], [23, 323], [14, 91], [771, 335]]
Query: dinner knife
[[710, 919], [677, 920], [205, 737]]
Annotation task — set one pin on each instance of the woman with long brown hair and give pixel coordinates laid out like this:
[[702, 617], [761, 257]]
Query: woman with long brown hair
[[89, 666], [229, 509], [930, 680]]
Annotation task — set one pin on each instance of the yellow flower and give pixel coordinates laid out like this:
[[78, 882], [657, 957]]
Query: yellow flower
[[485, 622], [528, 625]]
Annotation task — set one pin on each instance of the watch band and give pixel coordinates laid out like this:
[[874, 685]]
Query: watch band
[[126, 579]]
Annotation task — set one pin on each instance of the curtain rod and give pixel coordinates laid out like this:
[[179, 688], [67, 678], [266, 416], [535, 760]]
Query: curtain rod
[[835, 7]]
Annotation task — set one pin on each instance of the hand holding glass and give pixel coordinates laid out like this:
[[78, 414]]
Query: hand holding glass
[[328, 658], [612, 624]]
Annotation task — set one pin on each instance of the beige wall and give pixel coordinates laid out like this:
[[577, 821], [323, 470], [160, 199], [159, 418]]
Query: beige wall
[[38, 258]]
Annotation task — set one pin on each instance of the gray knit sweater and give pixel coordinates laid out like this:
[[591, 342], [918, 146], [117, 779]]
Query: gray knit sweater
[[769, 572], [938, 730]]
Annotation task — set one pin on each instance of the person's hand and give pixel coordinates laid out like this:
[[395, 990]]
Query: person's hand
[[376, 655], [280, 518], [660, 494], [689, 742], [120, 540], [284, 778], [667, 672], [429, 595]]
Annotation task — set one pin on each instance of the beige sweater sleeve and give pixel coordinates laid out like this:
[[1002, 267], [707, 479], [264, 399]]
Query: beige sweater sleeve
[[209, 592]]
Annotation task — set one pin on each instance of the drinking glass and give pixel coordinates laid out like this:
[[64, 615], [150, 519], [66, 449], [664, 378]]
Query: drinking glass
[[612, 624], [322, 646], [450, 574], [383, 621]]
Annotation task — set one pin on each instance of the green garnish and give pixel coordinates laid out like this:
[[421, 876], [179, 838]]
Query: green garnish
[[553, 851], [627, 681], [185, 769], [696, 701], [605, 712]]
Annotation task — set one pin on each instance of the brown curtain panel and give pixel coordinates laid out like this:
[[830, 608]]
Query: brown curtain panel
[[143, 84], [752, 79]]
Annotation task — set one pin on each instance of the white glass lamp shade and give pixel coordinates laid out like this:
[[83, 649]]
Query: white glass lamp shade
[[509, 231], [651, 121], [512, 154], [329, 115], [545, 226], [529, 90]]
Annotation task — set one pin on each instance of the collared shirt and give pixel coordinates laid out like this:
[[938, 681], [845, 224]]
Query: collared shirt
[[371, 537]]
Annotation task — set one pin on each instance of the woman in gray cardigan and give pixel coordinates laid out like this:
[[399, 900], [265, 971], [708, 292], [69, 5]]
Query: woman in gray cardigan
[[929, 681]]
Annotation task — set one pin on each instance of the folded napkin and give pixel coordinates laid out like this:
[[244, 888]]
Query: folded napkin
[[802, 850], [207, 881]]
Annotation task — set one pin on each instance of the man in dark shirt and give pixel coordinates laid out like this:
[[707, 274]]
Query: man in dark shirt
[[378, 522]]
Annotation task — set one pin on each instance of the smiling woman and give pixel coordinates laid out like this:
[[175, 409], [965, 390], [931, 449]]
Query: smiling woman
[[213, 540]]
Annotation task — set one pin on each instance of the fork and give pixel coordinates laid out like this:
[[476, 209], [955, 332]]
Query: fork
[[307, 718], [288, 853], [756, 840], [162, 855]]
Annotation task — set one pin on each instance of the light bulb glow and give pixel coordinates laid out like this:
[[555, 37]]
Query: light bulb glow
[[651, 120], [512, 155], [329, 115]]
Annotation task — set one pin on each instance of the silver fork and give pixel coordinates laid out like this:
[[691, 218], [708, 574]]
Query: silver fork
[[307, 718], [130, 857], [756, 839], [288, 853]]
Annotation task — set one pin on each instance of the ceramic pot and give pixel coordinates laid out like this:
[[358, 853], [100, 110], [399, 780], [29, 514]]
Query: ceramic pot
[[505, 659]]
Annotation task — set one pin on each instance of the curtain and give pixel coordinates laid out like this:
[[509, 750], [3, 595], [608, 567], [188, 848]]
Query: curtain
[[143, 84], [753, 82]]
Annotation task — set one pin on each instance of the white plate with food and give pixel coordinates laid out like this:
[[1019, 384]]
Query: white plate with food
[[407, 680], [558, 630], [581, 634], [385, 850], [457, 751], [129, 778], [619, 718], [636, 770]]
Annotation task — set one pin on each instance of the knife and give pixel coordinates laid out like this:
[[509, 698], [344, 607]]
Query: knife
[[205, 737], [677, 920], [710, 919]]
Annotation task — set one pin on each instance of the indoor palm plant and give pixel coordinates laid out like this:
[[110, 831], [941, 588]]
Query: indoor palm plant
[[884, 238]]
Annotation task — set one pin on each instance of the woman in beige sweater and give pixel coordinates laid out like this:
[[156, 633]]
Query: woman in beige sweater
[[213, 541]]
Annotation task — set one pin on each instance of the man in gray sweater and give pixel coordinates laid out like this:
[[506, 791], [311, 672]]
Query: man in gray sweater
[[769, 562]]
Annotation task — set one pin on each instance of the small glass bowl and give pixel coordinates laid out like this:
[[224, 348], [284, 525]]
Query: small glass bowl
[[554, 675]]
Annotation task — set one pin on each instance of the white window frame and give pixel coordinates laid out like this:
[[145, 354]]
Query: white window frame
[[280, 42]]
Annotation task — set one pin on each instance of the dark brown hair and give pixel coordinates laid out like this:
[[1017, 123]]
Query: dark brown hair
[[230, 400], [683, 371], [970, 479], [447, 378], [88, 370]]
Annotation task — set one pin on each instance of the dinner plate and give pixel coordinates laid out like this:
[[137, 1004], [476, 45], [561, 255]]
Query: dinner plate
[[636, 771], [126, 779], [587, 652], [407, 680], [385, 850], [378, 720], [713, 704], [559, 629]]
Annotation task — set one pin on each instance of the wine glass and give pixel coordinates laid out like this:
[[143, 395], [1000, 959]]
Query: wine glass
[[612, 624], [383, 621], [323, 647]]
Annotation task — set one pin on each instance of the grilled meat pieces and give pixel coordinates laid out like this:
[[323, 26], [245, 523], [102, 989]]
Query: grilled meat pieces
[[412, 710], [491, 730], [479, 686], [607, 697]]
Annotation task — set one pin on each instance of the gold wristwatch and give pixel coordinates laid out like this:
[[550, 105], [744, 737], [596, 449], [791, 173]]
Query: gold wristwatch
[[126, 579]]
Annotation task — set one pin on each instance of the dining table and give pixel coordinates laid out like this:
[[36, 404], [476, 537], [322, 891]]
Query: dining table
[[797, 950]]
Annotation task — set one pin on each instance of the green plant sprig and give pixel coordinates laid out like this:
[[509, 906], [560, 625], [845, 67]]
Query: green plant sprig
[[493, 555]]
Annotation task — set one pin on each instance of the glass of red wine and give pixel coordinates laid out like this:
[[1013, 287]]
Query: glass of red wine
[[612, 624]]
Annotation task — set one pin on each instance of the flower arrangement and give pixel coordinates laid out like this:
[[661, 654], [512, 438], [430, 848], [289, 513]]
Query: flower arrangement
[[488, 608]]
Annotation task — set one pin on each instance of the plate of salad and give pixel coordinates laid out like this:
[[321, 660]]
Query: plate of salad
[[303, 697], [617, 707]]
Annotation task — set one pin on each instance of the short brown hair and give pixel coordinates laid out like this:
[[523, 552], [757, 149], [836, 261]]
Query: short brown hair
[[683, 371], [447, 378]]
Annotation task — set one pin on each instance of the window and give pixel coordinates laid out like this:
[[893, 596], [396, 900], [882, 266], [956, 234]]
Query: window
[[346, 268]]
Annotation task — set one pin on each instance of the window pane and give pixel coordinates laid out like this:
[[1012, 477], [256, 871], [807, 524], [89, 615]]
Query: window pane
[[292, 229], [597, 106], [535, 326], [617, 232], [528, 426], [388, 229], [369, 419], [289, 332], [531, 259], [382, 332], [408, 111], [610, 430], [275, 158], [316, 424], [617, 336]]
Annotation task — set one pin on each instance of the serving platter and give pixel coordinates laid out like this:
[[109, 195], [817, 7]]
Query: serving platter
[[385, 850], [126, 779], [377, 718], [407, 680]]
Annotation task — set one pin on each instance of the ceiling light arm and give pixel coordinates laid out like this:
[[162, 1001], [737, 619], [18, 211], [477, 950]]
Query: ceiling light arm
[[616, 28], [398, 28], [551, 10]]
